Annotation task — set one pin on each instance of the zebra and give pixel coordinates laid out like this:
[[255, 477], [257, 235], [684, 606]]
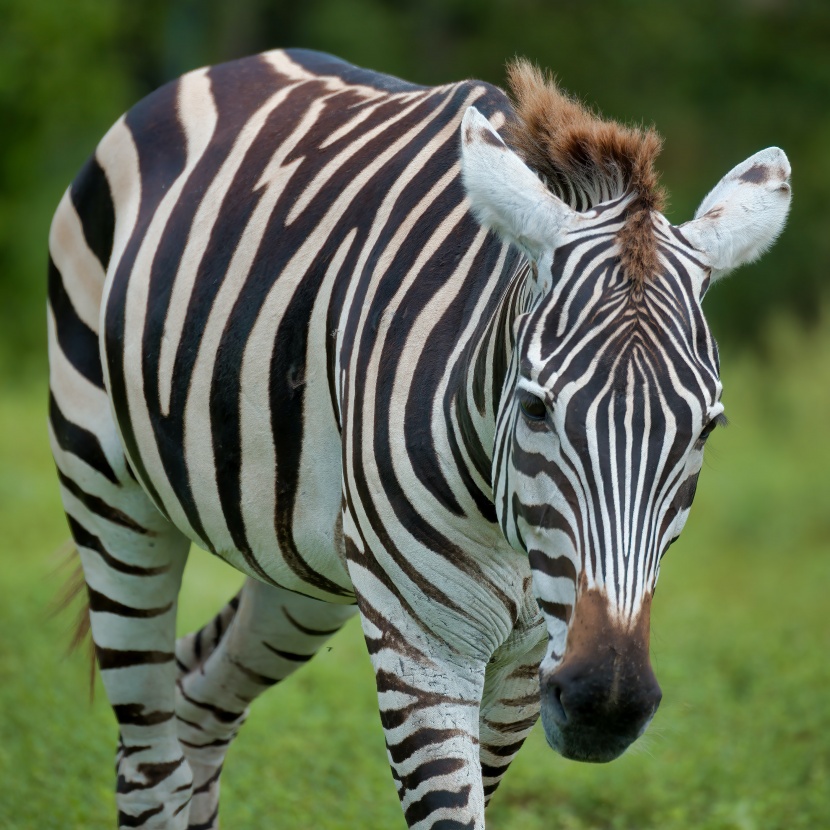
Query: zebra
[[428, 355]]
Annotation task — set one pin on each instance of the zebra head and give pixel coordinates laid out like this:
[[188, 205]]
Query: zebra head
[[611, 391]]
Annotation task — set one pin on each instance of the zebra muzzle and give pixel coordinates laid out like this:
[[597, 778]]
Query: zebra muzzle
[[603, 694]]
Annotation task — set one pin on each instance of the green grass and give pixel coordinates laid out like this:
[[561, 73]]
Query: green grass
[[741, 646]]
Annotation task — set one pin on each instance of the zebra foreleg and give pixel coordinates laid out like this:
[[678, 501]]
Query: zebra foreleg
[[510, 704], [442, 695], [193, 649], [271, 634], [429, 700]]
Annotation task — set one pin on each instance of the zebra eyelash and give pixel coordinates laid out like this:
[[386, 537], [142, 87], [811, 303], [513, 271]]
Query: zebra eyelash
[[720, 420], [526, 386]]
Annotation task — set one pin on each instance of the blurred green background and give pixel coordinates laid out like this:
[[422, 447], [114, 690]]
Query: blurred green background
[[742, 618]]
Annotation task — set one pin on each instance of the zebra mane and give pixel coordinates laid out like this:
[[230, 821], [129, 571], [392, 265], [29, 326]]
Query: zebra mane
[[585, 160]]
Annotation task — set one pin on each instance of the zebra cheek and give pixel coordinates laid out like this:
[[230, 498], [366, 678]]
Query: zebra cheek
[[554, 585]]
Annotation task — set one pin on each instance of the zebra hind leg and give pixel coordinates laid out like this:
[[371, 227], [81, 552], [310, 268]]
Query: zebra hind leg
[[132, 557], [271, 633], [132, 560]]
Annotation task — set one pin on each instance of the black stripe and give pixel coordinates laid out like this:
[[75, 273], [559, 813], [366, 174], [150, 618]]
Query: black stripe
[[256, 677], [102, 604], [100, 507], [160, 143], [115, 658], [126, 751], [544, 516], [555, 609], [79, 441], [488, 771], [91, 196], [311, 632], [136, 715], [78, 342], [205, 787], [411, 744], [430, 769], [83, 538], [126, 820], [289, 655], [437, 800], [206, 825], [153, 774], [214, 743], [222, 715], [554, 566], [507, 750]]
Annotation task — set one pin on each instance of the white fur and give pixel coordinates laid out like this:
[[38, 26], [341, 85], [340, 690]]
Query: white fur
[[505, 194], [744, 213]]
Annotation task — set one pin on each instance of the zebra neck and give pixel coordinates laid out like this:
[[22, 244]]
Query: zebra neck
[[478, 392]]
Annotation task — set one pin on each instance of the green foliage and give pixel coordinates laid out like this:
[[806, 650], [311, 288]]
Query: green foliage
[[740, 643], [720, 81]]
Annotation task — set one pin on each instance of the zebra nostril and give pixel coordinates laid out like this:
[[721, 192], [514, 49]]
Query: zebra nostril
[[555, 706]]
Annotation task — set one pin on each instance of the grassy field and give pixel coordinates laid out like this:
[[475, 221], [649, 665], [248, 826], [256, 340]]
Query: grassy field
[[741, 644]]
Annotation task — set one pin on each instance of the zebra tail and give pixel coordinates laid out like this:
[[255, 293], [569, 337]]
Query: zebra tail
[[74, 585]]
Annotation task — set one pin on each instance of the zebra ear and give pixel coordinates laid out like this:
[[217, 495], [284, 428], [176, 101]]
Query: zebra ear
[[505, 194], [744, 214]]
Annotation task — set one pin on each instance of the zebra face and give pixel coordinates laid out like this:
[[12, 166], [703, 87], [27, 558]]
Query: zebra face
[[601, 444], [612, 391]]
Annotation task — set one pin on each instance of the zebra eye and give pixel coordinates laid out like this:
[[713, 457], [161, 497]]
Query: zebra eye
[[707, 430], [533, 408]]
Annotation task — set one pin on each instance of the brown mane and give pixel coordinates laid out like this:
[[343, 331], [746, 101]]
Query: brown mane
[[586, 160]]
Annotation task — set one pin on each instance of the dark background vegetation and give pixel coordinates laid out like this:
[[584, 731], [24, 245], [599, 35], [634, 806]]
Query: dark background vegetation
[[741, 632], [720, 79]]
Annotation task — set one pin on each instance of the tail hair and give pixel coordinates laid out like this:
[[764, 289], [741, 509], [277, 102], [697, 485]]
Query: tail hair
[[74, 586]]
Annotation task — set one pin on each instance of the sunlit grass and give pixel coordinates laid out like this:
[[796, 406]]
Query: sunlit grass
[[741, 645]]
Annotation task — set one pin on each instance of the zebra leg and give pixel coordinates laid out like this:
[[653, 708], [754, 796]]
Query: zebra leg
[[193, 649], [132, 559], [442, 694], [429, 696], [429, 711], [510, 703], [271, 634]]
